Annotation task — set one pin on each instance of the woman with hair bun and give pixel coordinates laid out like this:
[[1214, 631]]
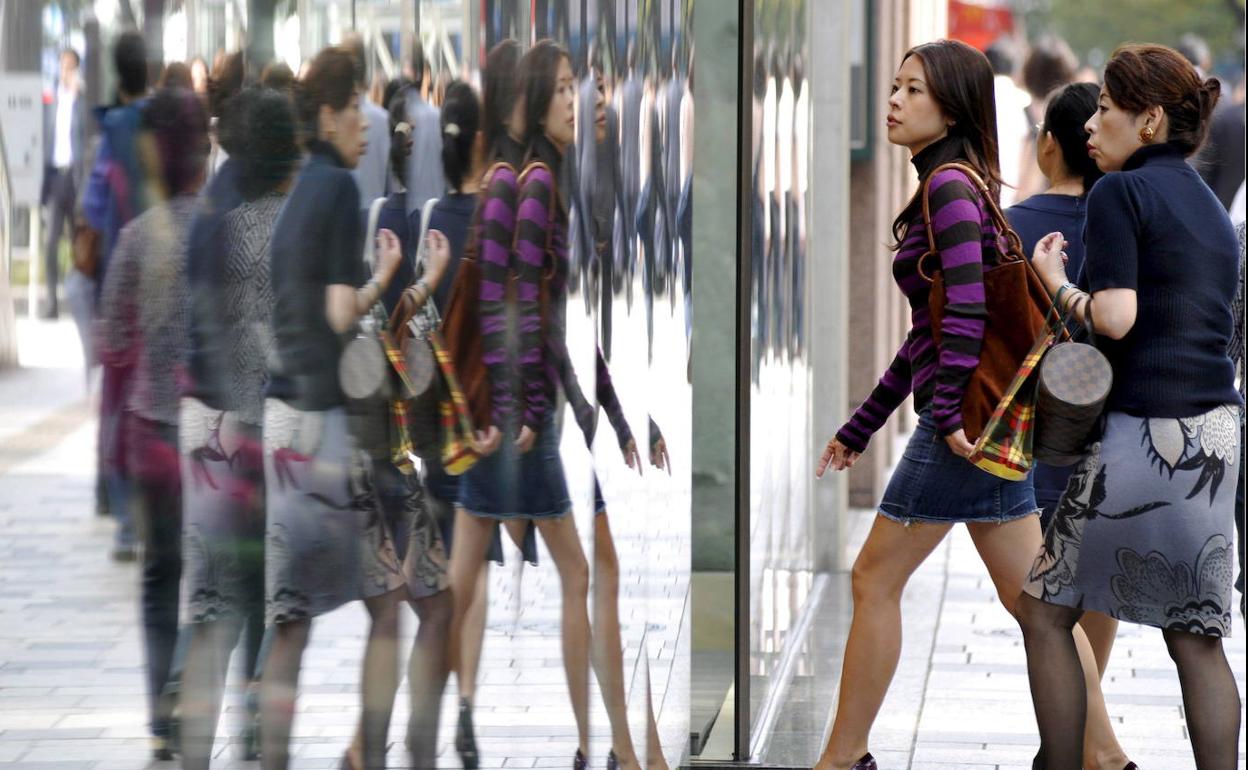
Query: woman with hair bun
[[1144, 532], [329, 539]]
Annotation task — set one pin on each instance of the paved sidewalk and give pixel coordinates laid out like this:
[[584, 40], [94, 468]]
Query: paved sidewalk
[[71, 681]]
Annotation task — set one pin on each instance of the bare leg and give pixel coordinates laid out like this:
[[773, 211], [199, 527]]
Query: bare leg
[[1008, 551], [472, 635], [380, 676], [608, 655], [1101, 631], [278, 686], [203, 681], [891, 554], [472, 538], [565, 548], [1210, 698], [654, 747], [427, 672]]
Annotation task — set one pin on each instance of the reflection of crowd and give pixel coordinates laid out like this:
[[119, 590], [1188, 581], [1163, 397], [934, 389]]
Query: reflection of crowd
[[255, 237]]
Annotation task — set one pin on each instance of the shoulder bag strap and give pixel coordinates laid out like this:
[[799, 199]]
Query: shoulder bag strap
[[1014, 245]]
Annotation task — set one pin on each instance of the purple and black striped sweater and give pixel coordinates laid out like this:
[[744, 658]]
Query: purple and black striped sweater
[[937, 376], [514, 223]]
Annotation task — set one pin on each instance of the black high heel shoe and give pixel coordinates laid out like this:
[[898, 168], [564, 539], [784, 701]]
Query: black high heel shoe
[[579, 762], [613, 762], [867, 762], [466, 738]]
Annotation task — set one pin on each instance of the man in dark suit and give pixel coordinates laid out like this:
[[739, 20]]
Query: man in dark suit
[[64, 165]]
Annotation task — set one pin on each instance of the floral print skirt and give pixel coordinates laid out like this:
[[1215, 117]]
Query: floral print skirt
[[222, 513], [1145, 530], [329, 539]]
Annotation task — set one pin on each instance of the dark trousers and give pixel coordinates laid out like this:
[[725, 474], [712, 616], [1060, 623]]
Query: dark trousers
[[61, 198], [157, 485]]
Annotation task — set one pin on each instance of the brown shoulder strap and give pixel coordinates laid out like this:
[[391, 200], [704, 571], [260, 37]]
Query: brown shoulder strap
[[550, 205]]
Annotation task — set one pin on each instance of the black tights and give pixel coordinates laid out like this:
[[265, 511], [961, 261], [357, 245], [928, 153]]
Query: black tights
[[1210, 698]]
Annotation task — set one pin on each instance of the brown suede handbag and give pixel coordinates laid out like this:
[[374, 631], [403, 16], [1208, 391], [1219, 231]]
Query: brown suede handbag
[[1016, 302], [461, 324]]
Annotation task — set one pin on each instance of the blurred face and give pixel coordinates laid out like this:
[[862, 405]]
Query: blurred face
[[69, 70], [914, 118], [560, 123], [199, 76], [346, 130], [600, 110], [1114, 133]]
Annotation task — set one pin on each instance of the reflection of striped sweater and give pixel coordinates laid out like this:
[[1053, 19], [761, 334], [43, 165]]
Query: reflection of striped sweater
[[496, 223], [936, 376]]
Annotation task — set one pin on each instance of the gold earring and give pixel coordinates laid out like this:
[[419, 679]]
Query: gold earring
[[1146, 134]]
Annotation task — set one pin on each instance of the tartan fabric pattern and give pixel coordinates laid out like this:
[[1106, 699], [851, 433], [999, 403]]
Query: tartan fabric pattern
[[459, 452], [1005, 448], [401, 440]]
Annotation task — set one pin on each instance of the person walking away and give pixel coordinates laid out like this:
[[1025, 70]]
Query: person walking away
[[116, 194], [143, 319]]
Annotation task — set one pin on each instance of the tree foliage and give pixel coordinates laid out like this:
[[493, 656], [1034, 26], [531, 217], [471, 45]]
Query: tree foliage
[[1095, 28]]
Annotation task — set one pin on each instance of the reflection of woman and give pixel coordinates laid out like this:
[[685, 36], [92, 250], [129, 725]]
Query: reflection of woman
[[222, 459], [524, 479], [142, 323], [328, 540], [1145, 546], [941, 109]]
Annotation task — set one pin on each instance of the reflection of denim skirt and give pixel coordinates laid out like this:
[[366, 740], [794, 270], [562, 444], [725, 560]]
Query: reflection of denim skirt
[[933, 485], [511, 485]]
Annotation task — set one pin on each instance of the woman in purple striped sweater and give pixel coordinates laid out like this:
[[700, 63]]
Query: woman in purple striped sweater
[[942, 109]]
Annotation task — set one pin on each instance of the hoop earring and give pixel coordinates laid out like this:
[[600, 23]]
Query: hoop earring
[[1146, 134]]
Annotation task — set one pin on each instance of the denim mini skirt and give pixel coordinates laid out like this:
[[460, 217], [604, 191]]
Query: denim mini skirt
[[513, 485], [932, 485]]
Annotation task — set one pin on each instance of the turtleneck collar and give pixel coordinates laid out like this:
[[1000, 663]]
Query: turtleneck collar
[[1163, 152], [328, 151], [947, 148]]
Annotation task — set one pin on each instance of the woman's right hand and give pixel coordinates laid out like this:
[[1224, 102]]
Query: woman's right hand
[[487, 441], [389, 254], [437, 257], [836, 455]]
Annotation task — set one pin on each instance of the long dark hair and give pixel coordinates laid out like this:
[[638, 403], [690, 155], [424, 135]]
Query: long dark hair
[[461, 119], [398, 139], [498, 93], [1069, 109], [539, 70], [960, 81]]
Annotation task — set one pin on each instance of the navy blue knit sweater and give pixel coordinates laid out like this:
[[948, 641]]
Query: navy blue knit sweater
[[1157, 228]]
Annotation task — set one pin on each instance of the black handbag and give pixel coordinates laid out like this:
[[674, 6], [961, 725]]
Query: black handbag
[[1075, 380]]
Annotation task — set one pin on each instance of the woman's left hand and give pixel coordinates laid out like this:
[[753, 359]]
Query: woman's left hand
[[659, 457], [959, 445], [1049, 259], [632, 458]]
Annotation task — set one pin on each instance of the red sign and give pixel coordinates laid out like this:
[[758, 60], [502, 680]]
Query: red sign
[[981, 23]]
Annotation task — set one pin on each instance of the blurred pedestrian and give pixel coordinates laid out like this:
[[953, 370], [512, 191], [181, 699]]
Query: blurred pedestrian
[[424, 165], [1220, 161], [143, 319], [227, 79], [372, 173], [115, 194], [941, 109], [1144, 531], [176, 75], [64, 142], [1050, 64], [1012, 119]]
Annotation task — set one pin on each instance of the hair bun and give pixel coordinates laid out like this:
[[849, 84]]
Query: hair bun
[[1210, 93]]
